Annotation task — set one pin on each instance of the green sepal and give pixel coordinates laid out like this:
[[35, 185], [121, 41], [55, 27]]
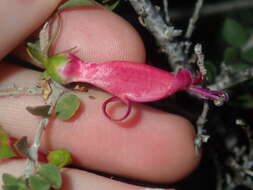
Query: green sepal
[[33, 50], [5, 148], [76, 3], [113, 5], [45, 75], [53, 63]]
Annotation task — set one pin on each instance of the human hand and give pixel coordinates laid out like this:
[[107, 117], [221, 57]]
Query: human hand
[[150, 145]]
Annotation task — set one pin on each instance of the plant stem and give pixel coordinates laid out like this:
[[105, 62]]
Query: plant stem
[[166, 11], [164, 33], [57, 91], [227, 80], [193, 19], [201, 132], [18, 91]]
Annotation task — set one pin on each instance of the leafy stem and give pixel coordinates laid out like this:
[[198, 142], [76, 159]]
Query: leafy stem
[[32, 162]]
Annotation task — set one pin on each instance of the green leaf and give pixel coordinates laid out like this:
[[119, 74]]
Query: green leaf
[[39, 110], [5, 148], [113, 5], [14, 187], [231, 55], [34, 51], [246, 101], [59, 158], [211, 72], [38, 183], [22, 147], [75, 3], [248, 55], [52, 174], [238, 67], [11, 180], [6, 151], [234, 33], [13, 183], [66, 106]]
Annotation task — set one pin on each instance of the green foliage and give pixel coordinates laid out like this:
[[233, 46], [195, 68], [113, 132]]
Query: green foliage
[[53, 63], [13, 183], [34, 51], [234, 33], [248, 55], [231, 55], [211, 72], [47, 176], [238, 67], [66, 106], [59, 158], [37, 182], [246, 101], [22, 147], [52, 174], [39, 110], [75, 3], [113, 5], [5, 148]]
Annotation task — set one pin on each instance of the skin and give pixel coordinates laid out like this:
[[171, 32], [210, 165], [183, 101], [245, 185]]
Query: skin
[[150, 145]]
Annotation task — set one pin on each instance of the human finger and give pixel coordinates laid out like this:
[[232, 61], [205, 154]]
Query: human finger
[[150, 145], [98, 35], [74, 179], [18, 19]]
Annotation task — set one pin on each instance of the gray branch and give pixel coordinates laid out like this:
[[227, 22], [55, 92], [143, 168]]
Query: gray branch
[[18, 91], [166, 11], [228, 80], [201, 136], [57, 91], [193, 19], [163, 33]]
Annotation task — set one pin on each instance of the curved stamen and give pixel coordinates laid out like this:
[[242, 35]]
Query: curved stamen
[[113, 99], [210, 94]]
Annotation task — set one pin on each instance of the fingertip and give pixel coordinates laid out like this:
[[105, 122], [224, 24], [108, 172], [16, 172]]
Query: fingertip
[[99, 35], [21, 18]]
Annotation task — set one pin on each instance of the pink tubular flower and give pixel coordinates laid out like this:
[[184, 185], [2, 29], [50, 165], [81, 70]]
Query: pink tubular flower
[[127, 81]]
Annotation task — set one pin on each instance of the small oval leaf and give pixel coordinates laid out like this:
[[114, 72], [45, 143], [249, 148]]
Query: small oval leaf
[[66, 106], [231, 55], [52, 174], [38, 183], [22, 147], [59, 158], [5, 147], [33, 50], [234, 33], [248, 55], [13, 183], [113, 5], [75, 3], [39, 110]]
